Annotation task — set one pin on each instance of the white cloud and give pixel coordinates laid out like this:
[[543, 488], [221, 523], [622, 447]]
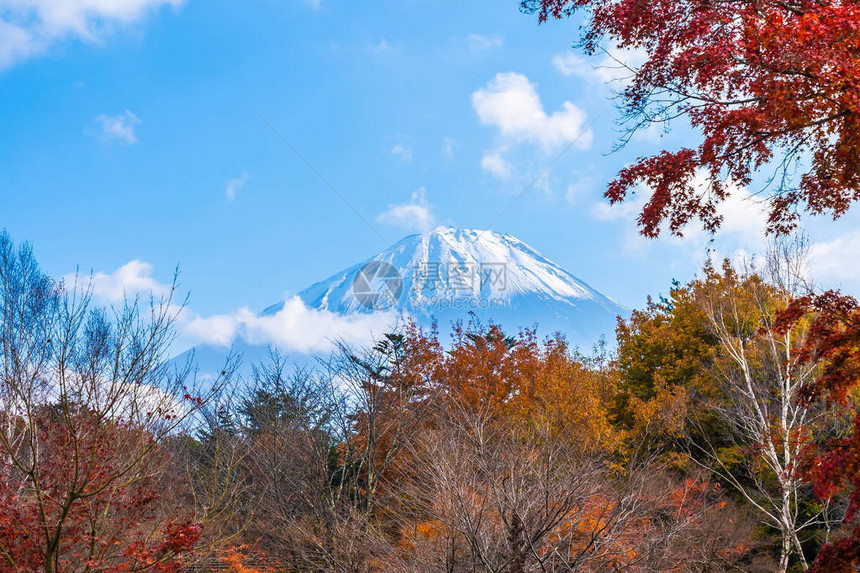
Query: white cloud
[[118, 127], [571, 64], [614, 70], [479, 43], [470, 48], [616, 67], [834, 262], [30, 27], [218, 330], [294, 328], [510, 102], [651, 134], [626, 210], [417, 215], [15, 44], [381, 48], [493, 162], [133, 278], [403, 151], [744, 217], [235, 185]]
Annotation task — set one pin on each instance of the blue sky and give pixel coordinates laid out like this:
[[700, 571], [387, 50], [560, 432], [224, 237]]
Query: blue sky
[[130, 130]]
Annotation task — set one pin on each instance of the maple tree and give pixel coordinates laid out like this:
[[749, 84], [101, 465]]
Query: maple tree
[[88, 407], [62, 514], [833, 464], [768, 83]]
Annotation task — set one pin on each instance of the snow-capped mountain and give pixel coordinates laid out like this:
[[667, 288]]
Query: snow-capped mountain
[[438, 276], [448, 272]]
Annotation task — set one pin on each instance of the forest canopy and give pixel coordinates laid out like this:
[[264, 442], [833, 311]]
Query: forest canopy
[[689, 446]]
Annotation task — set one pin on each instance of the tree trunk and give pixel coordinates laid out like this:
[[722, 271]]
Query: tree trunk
[[517, 543], [786, 551]]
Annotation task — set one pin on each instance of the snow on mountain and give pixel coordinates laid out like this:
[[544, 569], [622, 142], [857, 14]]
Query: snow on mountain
[[448, 272], [439, 276]]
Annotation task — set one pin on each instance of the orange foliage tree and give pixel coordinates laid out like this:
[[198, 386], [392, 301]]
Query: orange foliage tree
[[708, 370], [520, 466]]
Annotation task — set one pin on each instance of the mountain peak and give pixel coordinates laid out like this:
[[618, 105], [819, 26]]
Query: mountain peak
[[448, 271], [462, 234]]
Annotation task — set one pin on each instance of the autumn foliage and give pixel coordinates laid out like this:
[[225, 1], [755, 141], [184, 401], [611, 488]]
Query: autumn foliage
[[489, 452], [96, 524], [834, 464], [91, 428], [771, 85], [685, 449]]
